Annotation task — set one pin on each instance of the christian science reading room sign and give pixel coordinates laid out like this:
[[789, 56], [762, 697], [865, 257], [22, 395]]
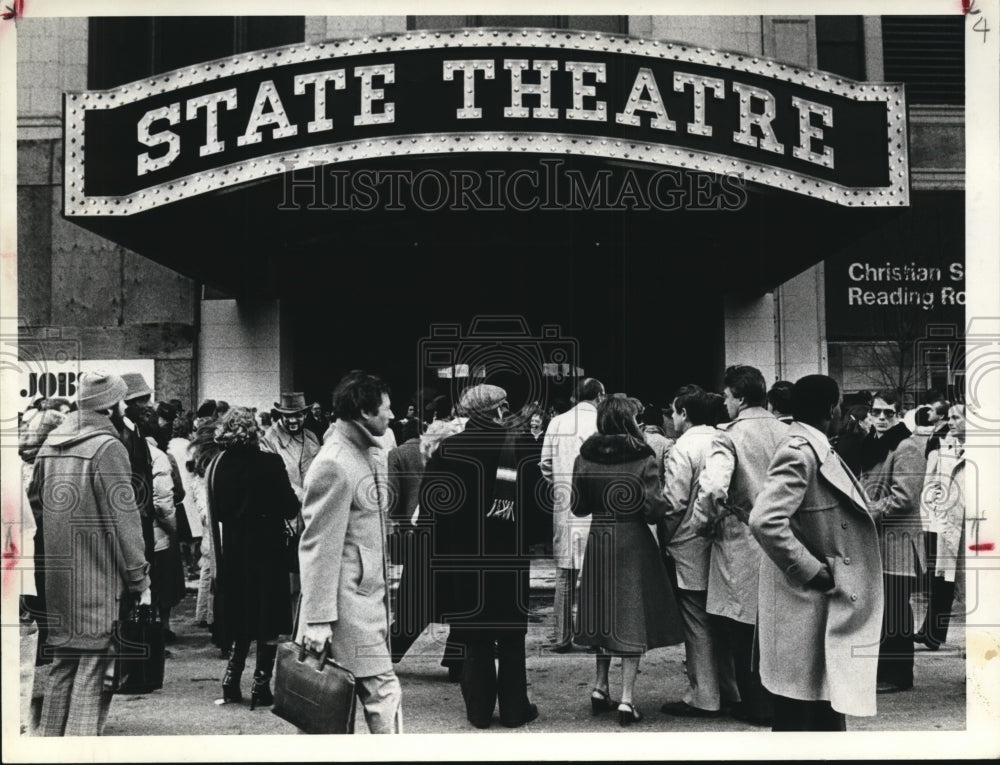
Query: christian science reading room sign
[[226, 122]]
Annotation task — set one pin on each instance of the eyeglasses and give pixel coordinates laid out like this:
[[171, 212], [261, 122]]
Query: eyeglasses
[[889, 413]]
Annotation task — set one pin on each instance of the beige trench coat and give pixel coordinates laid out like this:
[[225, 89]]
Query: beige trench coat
[[728, 486], [817, 645]]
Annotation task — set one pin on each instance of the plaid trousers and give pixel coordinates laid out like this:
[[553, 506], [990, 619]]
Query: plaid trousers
[[76, 703]]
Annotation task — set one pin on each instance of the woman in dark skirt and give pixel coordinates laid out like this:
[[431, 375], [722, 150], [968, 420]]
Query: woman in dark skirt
[[627, 605], [249, 498]]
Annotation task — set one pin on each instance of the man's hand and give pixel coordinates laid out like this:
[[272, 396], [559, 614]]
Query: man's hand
[[823, 580], [742, 514], [146, 597], [315, 636]]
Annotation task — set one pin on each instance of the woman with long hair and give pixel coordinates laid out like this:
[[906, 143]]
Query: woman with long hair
[[627, 604], [249, 499]]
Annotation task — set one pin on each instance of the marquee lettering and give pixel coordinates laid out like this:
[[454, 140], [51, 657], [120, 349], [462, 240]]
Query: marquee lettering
[[758, 107], [652, 102]]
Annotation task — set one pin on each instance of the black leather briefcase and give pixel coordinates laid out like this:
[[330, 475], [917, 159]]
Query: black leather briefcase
[[312, 691], [139, 651]]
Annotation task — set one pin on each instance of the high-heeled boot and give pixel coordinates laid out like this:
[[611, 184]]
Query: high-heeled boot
[[260, 692], [231, 680]]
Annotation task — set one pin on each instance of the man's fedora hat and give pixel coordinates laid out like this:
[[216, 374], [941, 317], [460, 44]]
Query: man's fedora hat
[[291, 403], [137, 386]]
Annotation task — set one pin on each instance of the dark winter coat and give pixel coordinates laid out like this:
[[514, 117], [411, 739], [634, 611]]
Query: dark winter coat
[[533, 490], [627, 604], [252, 498], [142, 481], [479, 563], [406, 469]]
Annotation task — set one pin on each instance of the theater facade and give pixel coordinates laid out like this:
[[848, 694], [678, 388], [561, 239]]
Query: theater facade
[[250, 207]]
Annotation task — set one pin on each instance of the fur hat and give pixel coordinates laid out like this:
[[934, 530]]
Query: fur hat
[[100, 390], [482, 398]]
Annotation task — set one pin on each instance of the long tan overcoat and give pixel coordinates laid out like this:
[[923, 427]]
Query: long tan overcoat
[[342, 560], [817, 645]]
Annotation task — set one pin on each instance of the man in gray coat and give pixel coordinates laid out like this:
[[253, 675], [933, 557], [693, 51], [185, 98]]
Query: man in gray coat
[[820, 593], [342, 563], [892, 471], [81, 489], [728, 487]]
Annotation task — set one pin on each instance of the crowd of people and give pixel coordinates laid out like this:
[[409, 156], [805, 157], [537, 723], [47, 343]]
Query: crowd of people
[[775, 513]]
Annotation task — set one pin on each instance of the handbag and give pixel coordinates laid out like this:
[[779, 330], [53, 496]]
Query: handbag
[[139, 651], [312, 691]]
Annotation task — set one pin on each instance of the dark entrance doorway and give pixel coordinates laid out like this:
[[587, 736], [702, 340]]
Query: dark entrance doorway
[[627, 294]]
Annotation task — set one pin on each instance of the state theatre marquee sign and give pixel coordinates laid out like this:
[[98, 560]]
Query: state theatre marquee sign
[[219, 124]]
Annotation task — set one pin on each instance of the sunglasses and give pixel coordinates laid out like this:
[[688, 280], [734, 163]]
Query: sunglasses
[[889, 413]]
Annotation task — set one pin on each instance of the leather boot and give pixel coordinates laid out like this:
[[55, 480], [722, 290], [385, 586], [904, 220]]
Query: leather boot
[[260, 693], [231, 681]]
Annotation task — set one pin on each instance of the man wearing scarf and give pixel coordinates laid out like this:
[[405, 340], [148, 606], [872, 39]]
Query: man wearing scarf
[[479, 563], [892, 473]]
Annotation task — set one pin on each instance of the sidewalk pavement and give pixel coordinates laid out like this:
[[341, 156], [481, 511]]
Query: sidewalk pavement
[[558, 683]]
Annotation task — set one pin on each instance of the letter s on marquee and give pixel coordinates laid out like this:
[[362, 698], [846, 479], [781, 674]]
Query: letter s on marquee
[[172, 114]]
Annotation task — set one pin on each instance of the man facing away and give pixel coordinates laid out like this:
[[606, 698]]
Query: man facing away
[[779, 401], [820, 586], [690, 553], [81, 488], [342, 562], [561, 446], [729, 484]]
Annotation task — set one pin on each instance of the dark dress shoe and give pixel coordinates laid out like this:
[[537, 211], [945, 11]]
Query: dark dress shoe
[[530, 713], [739, 713], [683, 709], [561, 648], [926, 642]]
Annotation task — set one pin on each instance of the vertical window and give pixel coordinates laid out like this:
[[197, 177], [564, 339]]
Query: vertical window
[[123, 49], [840, 45]]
